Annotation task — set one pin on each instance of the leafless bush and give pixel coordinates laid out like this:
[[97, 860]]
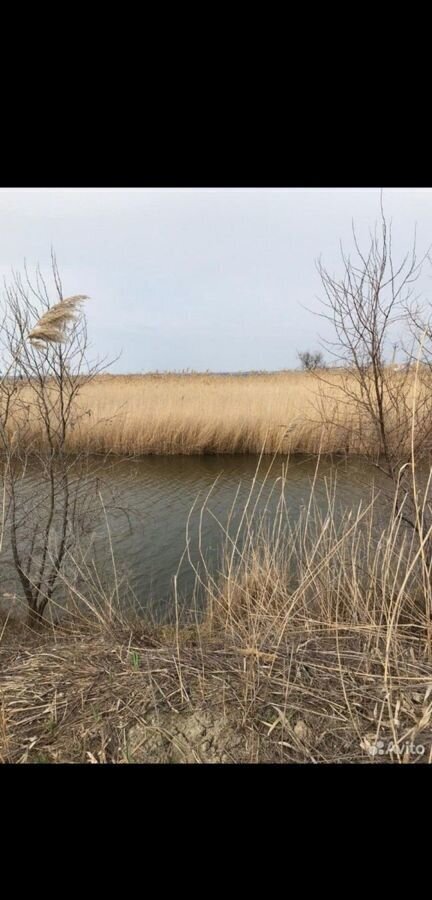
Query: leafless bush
[[390, 407], [44, 361]]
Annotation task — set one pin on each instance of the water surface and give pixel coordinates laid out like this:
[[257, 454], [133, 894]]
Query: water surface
[[162, 493], [186, 499]]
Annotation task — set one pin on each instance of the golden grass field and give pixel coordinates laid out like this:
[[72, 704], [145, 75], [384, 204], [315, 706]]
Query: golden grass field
[[287, 412], [205, 413], [195, 414], [283, 412]]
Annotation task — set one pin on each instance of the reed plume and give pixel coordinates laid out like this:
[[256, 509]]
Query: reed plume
[[51, 327]]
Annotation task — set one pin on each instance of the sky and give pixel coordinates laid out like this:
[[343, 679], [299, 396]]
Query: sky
[[201, 279]]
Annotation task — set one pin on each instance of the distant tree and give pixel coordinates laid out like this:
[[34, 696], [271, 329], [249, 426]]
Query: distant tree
[[310, 361]]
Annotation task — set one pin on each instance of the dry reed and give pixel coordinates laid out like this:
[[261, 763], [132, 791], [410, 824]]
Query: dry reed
[[51, 328], [196, 414]]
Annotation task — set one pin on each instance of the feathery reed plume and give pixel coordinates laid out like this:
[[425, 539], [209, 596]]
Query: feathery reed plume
[[51, 327]]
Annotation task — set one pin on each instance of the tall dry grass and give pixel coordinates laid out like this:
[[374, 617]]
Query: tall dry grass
[[315, 646], [194, 414]]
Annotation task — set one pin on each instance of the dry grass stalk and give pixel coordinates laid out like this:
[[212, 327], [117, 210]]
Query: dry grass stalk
[[52, 326]]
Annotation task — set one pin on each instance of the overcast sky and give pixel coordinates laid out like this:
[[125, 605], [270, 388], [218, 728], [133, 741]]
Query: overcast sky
[[200, 278]]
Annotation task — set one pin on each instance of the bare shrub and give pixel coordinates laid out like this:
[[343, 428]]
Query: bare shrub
[[44, 360]]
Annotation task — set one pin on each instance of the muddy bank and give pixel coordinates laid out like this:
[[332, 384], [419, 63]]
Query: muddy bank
[[201, 736]]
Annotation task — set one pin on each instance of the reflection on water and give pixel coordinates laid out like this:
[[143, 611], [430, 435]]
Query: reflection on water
[[160, 492]]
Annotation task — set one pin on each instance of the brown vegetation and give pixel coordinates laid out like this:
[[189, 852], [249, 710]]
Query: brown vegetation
[[313, 643], [315, 647], [195, 414]]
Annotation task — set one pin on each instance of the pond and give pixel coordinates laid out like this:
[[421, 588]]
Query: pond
[[164, 499]]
